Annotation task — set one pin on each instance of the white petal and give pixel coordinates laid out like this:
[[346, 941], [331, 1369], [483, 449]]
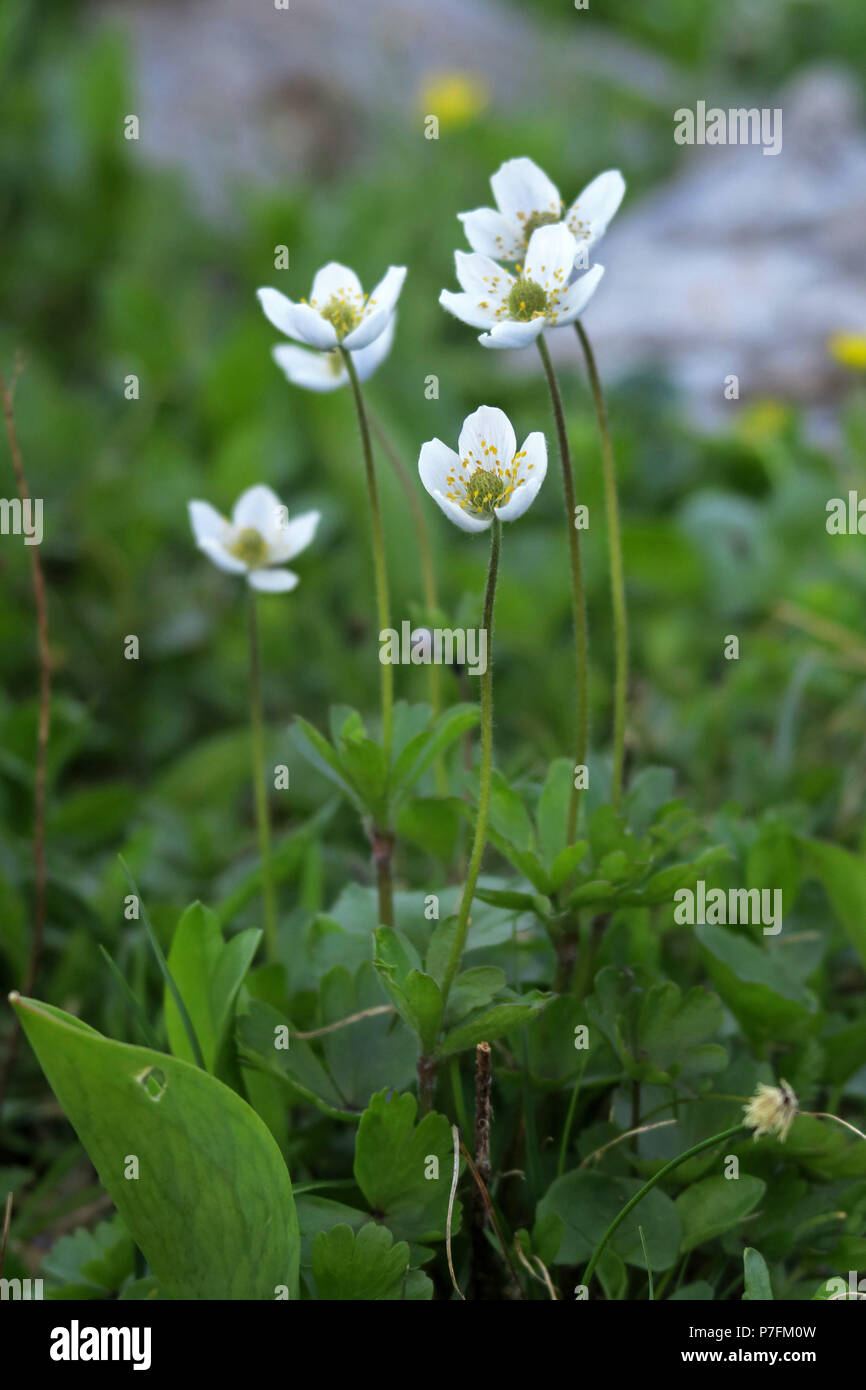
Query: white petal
[[379, 309], [592, 210], [273, 581], [297, 320], [335, 279], [482, 277], [465, 307], [458, 516], [311, 370], [207, 523], [512, 333], [533, 469], [521, 189], [491, 234], [290, 540], [435, 463], [220, 556], [259, 508], [487, 438], [578, 295], [550, 257], [368, 359]]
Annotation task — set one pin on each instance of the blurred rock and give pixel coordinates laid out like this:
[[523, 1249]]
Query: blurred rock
[[746, 263]]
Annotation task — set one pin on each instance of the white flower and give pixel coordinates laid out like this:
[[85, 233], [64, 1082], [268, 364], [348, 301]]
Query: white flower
[[257, 537], [338, 313], [488, 476], [326, 371], [526, 199], [517, 308], [771, 1110]]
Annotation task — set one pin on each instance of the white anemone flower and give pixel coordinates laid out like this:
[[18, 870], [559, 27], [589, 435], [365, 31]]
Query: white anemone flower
[[516, 308], [326, 371], [488, 476], [258, 537], [526, 199], [338, 313]]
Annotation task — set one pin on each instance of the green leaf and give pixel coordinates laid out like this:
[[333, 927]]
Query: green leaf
[[551, 813], [316, 749], [366, 1266], [474, 988], [508, 815], [492, 1023], [713, 1205], [758, 987], [422, 750], [89, 1264], [566, 863], [843, 876], [393, 1158], [208, 973], [588, 1202], [212, 1209], [756, 1276], [259, 1031]]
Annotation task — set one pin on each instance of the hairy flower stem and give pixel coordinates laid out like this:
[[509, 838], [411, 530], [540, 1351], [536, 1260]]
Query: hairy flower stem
[[380, 572], [641, 1193], [259, 786], [462, 930], [617, 581], [578, 600], [428, 574]]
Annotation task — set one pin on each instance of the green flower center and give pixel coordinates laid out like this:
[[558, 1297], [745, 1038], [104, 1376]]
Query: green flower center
[[250, 547], [342, 315], [484, 491], [526, 301], [539, 219]]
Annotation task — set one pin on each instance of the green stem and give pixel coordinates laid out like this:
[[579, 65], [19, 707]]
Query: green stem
[[641, 1193], [578, 600], [259, 787], [428, 574], [486, 766], [380, 572], [617, 581], [457, 1088], [569, 1119]]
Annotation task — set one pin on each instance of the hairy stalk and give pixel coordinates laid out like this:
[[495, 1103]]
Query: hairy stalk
[[260, 792], [462, 930], [43, 727], [381, 576], [425, 552], [578, 600], [617, 580], [641, 1193]]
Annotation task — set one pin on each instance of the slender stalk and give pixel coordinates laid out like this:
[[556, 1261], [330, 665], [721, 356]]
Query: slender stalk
[[486, 767], [578, 600], [259, 786], [380, 572], [617, 580], [43, 727], [641, 1193], [569, 1119], [428, 574]]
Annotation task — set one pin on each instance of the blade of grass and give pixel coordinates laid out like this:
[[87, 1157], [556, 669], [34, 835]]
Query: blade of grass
[[166, 973], [144, 1028]]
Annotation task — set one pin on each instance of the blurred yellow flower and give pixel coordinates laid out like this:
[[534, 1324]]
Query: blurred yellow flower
[[849, 350], [763, 421], [771, 1110], [456, 98]]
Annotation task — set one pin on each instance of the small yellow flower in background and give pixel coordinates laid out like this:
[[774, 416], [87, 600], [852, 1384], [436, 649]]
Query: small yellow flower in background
[[771, 1110], [849, 350], [456, 98], [762, 422]]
